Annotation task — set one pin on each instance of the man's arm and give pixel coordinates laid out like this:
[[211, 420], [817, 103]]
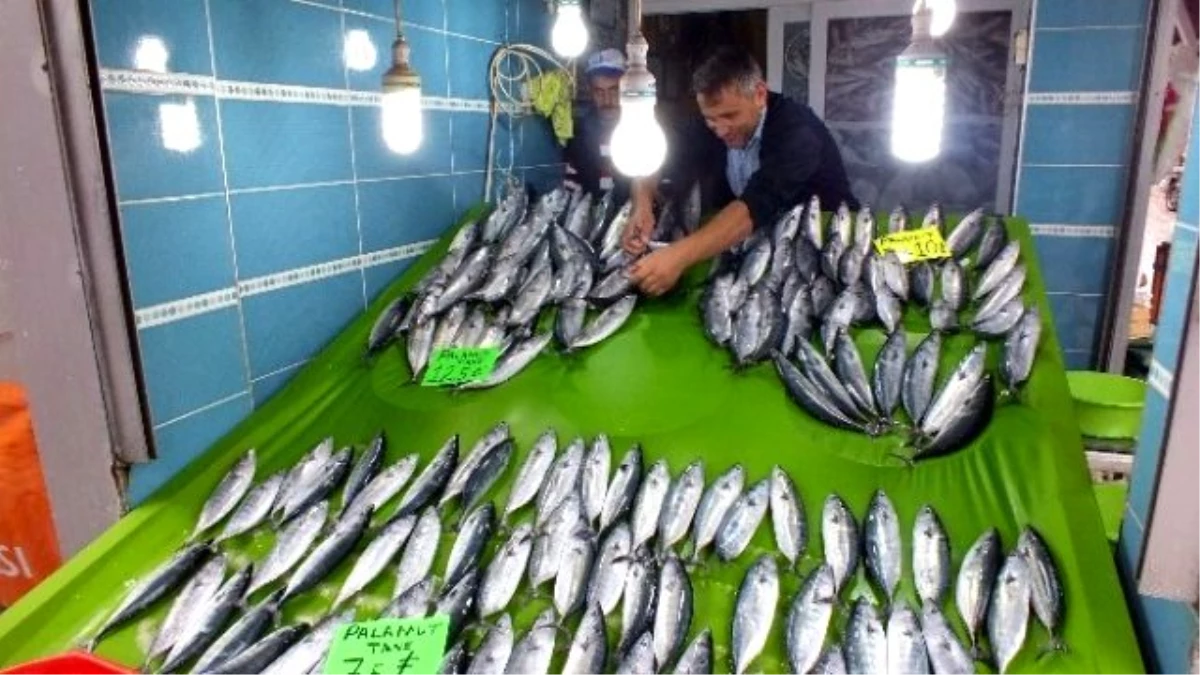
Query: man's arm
[[658, 272]]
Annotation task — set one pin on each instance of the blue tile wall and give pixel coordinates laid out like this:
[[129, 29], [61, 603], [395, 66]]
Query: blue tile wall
[[280, 169], [1075, 264], [1075, 13], [1080, 194], [1103, 59], [1052, 134]]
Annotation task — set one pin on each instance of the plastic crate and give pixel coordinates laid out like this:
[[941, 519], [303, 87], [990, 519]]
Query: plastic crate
[[71, 662]]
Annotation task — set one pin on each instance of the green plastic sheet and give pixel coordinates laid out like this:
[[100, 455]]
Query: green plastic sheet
[[660, 383]]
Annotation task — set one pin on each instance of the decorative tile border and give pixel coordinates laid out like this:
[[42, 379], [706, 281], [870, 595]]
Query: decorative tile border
[[1082, 98], [1160, 379], [145, 82], [157, 315], [1080, 231]]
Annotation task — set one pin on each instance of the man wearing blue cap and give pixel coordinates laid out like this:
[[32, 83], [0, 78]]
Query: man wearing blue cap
[[589, 163]]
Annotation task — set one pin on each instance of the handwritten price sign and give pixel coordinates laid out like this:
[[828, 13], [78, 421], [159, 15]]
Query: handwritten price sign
[[459, 365], [392, 646], [914, 245]]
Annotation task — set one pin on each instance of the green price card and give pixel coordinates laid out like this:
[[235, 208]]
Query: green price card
[[911, 246], [388, 646], [458, 365]]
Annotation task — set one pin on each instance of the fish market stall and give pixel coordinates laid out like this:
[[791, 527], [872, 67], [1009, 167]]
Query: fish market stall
[[656, 382]]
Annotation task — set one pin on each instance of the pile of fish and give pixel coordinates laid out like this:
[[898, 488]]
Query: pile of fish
[[780, 290], [604, 543]]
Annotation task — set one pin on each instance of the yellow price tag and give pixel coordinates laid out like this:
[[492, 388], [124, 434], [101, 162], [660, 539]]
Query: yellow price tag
[[925, 243]]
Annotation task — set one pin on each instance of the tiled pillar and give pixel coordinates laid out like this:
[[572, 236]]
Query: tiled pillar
[[1076, 150]]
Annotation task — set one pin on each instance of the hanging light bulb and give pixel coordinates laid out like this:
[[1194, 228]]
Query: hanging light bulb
[[638, 143], [919, 103], [569, 37], [944, 12], [400, 112]]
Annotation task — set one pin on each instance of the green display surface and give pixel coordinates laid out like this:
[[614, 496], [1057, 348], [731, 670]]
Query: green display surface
[[657, 382]]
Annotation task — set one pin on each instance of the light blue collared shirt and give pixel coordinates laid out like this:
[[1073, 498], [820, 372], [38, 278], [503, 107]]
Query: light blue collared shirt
[[741, 163]]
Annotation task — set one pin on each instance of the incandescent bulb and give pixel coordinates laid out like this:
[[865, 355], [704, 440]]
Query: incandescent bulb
[[569, 36], [943, 12], [401, 120], [638, 143], [919, 107]]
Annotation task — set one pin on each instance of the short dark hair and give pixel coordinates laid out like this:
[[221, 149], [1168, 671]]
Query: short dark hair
[[726, 66]]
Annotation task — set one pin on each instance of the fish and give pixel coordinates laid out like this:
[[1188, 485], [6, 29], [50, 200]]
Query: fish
[[698, 657], [455, 659], [308, 653], [378, 554], [679, 506], [757, 327], [419, 551], [531, 297], [673, 611], [449, 326], [321, 486], [208, 621], [942, 316], [253, 509], [249, 628], [889, 310], [812, 221], [589, 646], [457, 601], [311, 465], [506, 213], [754, 612], [864, 230], [920, 373], [831, 257], [420, 346], [823, 293], [532, 473], [742, 521], [593, 478], [601, 208], [609, 239], [832, 661], [888, 374], [966, 422], [327, 555], [838, 318], [501, 279], [638, 604], [808, 619], [474, 533], [199, 587], [1009, 289], [1046, 589], [612, 564], [472, 330], [552, 540], [1001, 321], [513, 361], [383, 331], [532, 653], [605, 324], [994, 239], [839, 537], [578, 216], [787, 226], [973, 587], [954, 286], [850, 267], [787, 516], [623, 489], [905, 643], [797, 317], [492, 654], [810, 396], [228, 493], [364, 470], [571, 582], [255, 658], [491, 467], [466, 237], [934, 217], [383, 487], [997, 270], [503, 574], [842, 225], [639, 658], [1020, 349], [717, 309], [948, 400], [714, 505], [817, 369], [568, 322], [432, 479], [649, 503], [469, 276], [614, 285], [780, 267], [895, 278], [807, 263], [561, 482], [291, 544], [931, 556], [850, 371], [881, 544], [920, 282], [1008, 612], [866, 642], [897, 219], [755, 262], [412, 603], [946, 654], [965, 234]]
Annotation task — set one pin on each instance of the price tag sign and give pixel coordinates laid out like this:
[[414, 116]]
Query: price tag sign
[[458, 365], [398, 646], [925, 243]]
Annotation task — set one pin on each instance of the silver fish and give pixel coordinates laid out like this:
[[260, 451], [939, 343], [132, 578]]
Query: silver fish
[[994, 239], [375, 557], [817, 369], [318, 488], [850, 267], [514, 361], [472, 330], [947, 656], [1008, 612], [489, 470], [639, 658], [199, 588], [756, 262], [714, 505], [673, 613], [531, 297], [383, 487], [419, 551], [637, 606], [920, 281], [623, 489], [532, 653], [224, 499], [208, 621], [919, 375], [954, 285], [1020, 349], [812, 222], [965, 234], [454, 661], [431, 480], [474, 533], [961, 382], [898, 219], [593, 477], [942, 316], [906, 653], [292, 543], [310, 651], [999, 268], [608, 579], [787, 516], [249, 628], [500, 281], [412, 603], [823, 293], [832, 661], [420, 346], [470, 276], [589, 647], [788, 225], [471, 461], [552, 541], [717, 310], [780, 268], [680, 505], [810, 396], [808, 260], [448, 326], [698, 657], [568, 322], [303, 472], [458, 600], [966, 422], [839, 536], [757, 326], [262, 653], [1001, 321], [649, 503], [614, 285], [1046, 589], [327, 555], [254, 508], [808, 619], [888, 373], [504, 572], [934, 217], [742, 521], [850, 371], [838, 318], [864, 230], [532, 472], [575, 569], [493, 652], [831, 257], [797, 321], [383, 331], [882, 545], [754, 612], [561, 482], [976, 577], [931, 556], [606, 323], [842, 225], [1008, 290], [866, 641], [889, 310], [369, 464], [609, 239], [578, 216], [894, 275]]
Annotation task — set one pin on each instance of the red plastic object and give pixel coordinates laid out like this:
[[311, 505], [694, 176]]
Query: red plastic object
[[71, 662]]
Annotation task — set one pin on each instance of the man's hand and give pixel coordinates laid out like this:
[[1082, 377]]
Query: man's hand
[[636, 237], [659, 271]]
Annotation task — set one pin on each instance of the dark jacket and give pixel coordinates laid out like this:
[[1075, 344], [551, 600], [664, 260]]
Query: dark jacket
[[587, 158], [797, 159]]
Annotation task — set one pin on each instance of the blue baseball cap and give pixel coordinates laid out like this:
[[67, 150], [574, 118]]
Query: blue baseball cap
[[610, 62]]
